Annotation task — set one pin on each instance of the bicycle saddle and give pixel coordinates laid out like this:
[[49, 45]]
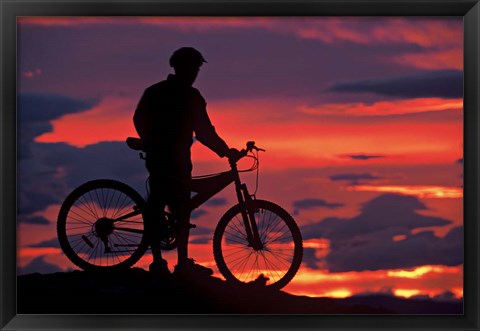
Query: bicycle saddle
[[135, 143]]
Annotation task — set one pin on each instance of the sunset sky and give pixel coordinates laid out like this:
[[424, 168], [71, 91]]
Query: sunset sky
[[361, 119]]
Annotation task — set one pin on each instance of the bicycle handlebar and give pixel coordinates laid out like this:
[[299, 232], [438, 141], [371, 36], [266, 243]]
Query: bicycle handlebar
[[250, 146], [137, 144]]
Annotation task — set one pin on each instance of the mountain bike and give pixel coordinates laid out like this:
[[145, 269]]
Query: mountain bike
[[100, 227]]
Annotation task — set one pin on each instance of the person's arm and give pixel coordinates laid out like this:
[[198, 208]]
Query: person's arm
[[205, 131]]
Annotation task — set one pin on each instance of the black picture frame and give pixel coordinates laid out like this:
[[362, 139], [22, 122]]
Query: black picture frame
[[10, 10]]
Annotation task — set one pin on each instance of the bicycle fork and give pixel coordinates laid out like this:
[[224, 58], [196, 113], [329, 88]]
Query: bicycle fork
[[248, 216]]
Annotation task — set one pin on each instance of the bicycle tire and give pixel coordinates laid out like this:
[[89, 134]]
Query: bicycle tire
[[78, 209], [232, 220]]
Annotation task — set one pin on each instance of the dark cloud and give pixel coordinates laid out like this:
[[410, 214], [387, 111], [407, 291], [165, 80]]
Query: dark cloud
[[36, 107], [380, 252], [201, 230], [309, 258], [35, 198], [52, 243], [201, 240], [197, 213], [314, 203], [201, 235], [54, 170], [366, 241], [393, 213], [362, 157], [216, 202], [446, 296], [442, 84], [35, 220], [35, 111], [355, 179], [42, 176], [39, 265]]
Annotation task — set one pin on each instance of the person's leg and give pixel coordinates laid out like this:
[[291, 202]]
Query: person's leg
[[185, 266], [153, 218], [180, 207], [153, 228], [154, 215]]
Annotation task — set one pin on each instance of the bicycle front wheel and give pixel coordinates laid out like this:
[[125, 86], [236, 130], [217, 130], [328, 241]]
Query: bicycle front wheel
[[100, 226], [278, 259]]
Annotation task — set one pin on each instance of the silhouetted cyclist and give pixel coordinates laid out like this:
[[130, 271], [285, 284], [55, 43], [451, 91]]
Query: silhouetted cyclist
[[166, 117]]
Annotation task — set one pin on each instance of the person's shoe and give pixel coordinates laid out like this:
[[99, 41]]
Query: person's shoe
[[190, 268], [159, 268]]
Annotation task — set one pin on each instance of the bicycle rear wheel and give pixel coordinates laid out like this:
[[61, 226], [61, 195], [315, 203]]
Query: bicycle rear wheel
[[282, 251], [100, 226]]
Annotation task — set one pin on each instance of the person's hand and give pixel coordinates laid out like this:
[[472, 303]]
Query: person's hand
[[233, 154]]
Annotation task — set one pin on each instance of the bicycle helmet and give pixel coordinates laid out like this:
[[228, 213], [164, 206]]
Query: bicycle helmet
[[186, 56]]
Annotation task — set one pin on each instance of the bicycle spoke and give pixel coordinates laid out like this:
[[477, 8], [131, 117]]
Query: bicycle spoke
[[267, 229], [279, 259], [273, 268], [88, 205], [121, 207], [85, 219], [244, 265], [247, 254], [253, 268], [79, 227]]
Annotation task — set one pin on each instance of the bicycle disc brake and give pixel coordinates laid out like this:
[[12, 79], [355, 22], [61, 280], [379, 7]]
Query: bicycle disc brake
[[102, 228]]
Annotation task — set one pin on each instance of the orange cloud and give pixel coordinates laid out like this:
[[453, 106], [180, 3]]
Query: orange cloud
[[435, 192], [420, 271], [425, 33], [110, 120], [406, 293], [433, 60], [35, 252], [386, 108]]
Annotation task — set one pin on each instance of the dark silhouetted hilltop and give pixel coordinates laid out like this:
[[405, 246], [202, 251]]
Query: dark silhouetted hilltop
[[136, 291]]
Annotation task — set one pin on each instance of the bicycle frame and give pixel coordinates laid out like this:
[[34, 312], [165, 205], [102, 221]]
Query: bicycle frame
[[208, 186]]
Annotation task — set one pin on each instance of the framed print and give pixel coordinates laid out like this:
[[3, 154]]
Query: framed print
[[240, 165]]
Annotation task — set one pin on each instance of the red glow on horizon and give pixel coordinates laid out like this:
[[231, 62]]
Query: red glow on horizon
[[429, 280], [308, 142]]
